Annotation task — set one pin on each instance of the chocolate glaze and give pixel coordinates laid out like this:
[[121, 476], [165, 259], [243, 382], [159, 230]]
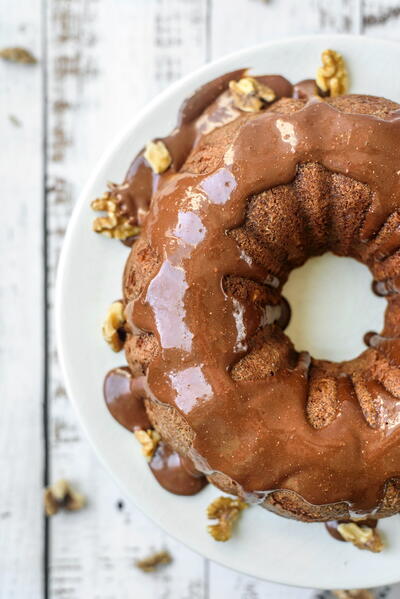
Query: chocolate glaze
[[386, 287], [133, 197], [194, 106], [285, 314], [368, 336], [239, 426], [124, 398], [332, 526], [176, 473], [306, 89], [123, 395]]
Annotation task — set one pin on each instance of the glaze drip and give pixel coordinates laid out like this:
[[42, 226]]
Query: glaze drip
[[124, 397], [176, 473]]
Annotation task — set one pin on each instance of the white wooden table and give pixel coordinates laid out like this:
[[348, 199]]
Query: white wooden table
[[99, 62]]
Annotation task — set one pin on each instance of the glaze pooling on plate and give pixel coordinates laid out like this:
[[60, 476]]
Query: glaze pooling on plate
[[123, 394]]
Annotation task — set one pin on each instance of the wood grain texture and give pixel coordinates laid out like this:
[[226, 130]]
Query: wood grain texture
[[253, 21], [104, 59], [381, 18], [103, 65], [21, 306], [225, 583]]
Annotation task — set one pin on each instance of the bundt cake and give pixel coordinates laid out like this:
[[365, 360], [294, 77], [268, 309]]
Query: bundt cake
[[258, 176]]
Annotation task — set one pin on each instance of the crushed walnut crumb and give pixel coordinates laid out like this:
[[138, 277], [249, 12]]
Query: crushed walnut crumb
[[353, 594], [154, 561], [113, 326], [256, 295], [60, 495], [157, 155], [249, 95], [14, 120], [149, 441], [16, 54], [361, 536], [226, 510], [116, 224], [332, 77]]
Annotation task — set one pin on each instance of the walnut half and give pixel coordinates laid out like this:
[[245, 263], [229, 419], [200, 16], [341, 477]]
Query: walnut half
[[332, 77], [149, 441], [250, 95], [361, 536], [60, 495], [226, 510], [113, 326], [157, 155], [115, 224]]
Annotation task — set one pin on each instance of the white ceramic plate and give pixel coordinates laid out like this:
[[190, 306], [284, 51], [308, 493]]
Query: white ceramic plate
[[89, 278]]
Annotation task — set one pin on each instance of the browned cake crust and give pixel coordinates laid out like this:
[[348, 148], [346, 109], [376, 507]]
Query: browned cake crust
[[319, 210]]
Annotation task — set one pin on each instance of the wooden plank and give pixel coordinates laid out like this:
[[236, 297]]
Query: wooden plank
[[96, 50], [234, 26], [226, 583], [106, 59], [249, 22], [381, 18], [21, 306]]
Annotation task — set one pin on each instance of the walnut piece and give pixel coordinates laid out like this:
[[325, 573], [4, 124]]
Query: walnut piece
[[149, 441], [353, 594], [361, 536], [157, 155], [250, 95], [152, 562], [113, 326], [256, 295], [14, 120], [332, 77], [226, 510], [60, 495], [16, 54], [115, 224]]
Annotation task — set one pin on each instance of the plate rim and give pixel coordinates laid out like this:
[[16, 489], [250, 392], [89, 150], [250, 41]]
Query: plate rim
[[124, 134]]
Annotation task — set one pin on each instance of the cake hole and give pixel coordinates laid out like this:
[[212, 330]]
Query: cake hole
[[333, 307]]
